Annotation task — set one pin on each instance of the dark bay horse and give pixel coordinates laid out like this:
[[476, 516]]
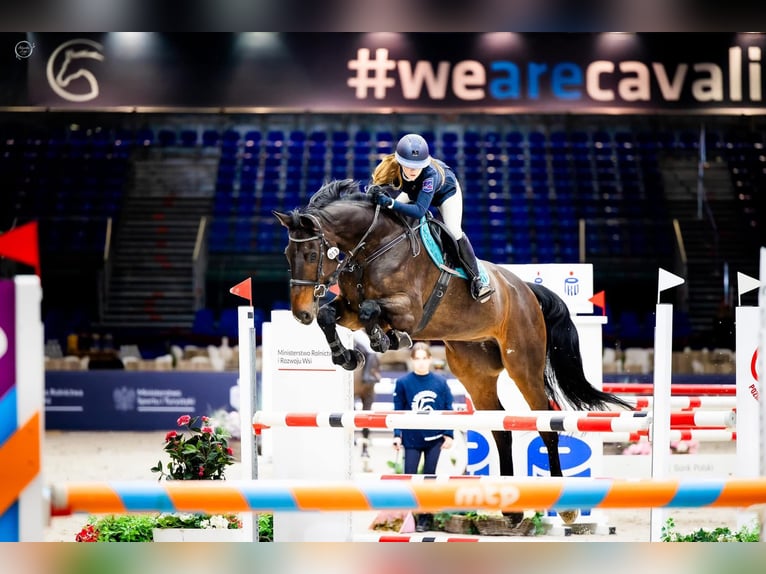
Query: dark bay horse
[[385, 279]]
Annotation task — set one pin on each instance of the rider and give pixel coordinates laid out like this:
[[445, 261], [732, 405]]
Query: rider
[[423, 181]]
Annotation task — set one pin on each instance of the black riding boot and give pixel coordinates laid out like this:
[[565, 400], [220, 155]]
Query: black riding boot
[[479, 290]]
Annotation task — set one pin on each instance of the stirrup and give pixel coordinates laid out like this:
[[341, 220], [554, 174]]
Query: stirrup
[[480, 290]]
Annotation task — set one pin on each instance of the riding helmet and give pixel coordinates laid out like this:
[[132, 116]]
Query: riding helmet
[[412, 152]]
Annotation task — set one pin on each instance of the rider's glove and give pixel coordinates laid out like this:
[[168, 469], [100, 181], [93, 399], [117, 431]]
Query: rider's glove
[[380, 197]]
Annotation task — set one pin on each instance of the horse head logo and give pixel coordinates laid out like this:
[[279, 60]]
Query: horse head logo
[[66, 73]]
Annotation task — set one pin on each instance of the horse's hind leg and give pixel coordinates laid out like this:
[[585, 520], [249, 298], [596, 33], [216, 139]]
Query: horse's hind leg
[[349, 359]]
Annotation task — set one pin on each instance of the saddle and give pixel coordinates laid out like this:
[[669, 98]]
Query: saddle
[[442, 248]]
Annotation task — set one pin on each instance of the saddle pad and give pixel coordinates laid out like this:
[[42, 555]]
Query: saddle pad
[[437, 256]]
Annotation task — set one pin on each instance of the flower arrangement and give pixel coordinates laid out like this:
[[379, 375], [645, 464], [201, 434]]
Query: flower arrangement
[[195, 520], [139, 527], [203, 455]]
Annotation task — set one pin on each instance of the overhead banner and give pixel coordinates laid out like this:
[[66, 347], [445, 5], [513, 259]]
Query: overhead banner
[[373, 72]]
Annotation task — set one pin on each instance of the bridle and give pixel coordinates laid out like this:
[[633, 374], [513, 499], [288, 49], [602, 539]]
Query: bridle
[[348, 263], [320, 287], [325, 248]]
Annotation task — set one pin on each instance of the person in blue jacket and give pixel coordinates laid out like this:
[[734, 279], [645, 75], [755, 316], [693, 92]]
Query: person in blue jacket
[[423, 181], [422, 390]]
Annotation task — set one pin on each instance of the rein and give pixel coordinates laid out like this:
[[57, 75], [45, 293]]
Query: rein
[[350, 263]]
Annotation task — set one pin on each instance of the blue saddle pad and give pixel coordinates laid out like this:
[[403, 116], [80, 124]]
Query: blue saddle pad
[[437, 256]]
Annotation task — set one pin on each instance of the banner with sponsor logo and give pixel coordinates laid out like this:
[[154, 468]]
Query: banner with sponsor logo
[[369, 72], [132, 401]]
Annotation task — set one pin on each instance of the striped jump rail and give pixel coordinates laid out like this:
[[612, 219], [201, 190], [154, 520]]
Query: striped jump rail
[[502, 494], [556, 421], [675, 389]]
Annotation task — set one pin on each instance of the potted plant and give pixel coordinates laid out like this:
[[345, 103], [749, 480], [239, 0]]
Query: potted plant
[[202, 454], [200, 451]]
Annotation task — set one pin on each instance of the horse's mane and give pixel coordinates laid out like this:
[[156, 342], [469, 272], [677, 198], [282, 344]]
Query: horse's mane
[[336, 190]]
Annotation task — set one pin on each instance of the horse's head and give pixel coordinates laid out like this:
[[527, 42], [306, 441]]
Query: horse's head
[[320, 236]]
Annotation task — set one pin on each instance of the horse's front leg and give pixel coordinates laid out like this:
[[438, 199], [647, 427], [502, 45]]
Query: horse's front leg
[[369, 316], [380, 340], [348, 359]]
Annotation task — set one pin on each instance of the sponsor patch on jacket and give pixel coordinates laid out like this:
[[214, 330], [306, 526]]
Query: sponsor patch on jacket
[[428, 185]]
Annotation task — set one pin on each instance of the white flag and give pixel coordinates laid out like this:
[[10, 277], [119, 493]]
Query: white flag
[[745, 283], [666, 281]]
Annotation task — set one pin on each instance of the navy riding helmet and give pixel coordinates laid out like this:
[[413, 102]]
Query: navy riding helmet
[[412, 152]]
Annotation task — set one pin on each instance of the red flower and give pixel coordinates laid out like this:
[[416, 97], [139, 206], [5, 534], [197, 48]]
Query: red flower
[[205, 419], [229, 451], [207, 430], [183, 420], [170, 436], [87, 534]]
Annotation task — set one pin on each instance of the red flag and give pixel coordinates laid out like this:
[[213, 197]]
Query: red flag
[[244, 290], [599, 300], [21, 244]]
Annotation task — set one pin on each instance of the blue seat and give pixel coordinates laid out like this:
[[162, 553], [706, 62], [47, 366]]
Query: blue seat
[[188, 138], [204, 322], [167, 137], [228, 324]]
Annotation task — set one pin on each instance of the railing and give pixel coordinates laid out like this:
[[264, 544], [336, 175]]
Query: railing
[[199, 265], [105, 277]]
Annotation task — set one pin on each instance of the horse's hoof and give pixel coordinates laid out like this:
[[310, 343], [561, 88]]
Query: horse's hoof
[[354, 361], [399, 339], [569, 516], [380, 344]]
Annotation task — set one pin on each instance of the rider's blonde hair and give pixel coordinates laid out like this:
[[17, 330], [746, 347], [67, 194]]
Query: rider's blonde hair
[[388, 171]]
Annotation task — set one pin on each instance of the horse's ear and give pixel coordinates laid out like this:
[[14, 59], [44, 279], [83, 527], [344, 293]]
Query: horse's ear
[[309, 222], [283, 218]]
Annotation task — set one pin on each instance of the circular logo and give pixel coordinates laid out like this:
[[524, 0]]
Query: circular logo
[[67, 71], [333, 252], [3, 344], [23, 50]]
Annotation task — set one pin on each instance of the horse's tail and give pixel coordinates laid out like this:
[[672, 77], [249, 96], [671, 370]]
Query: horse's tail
[[564, 369]]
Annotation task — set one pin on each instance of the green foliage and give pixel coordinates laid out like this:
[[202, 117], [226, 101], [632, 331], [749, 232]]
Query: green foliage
[[197, 520], [121, 528], [720, 534], [266, 528], [138, 527], [204, 455], [440, 520], [537, 520]]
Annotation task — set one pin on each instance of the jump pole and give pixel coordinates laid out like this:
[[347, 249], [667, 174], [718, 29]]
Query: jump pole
[[23, 508], [304, 497], [246, 383], [761, 363], [531, 421], [747, 399]]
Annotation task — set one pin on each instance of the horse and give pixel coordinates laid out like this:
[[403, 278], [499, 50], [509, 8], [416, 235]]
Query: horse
[[390, 287]]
